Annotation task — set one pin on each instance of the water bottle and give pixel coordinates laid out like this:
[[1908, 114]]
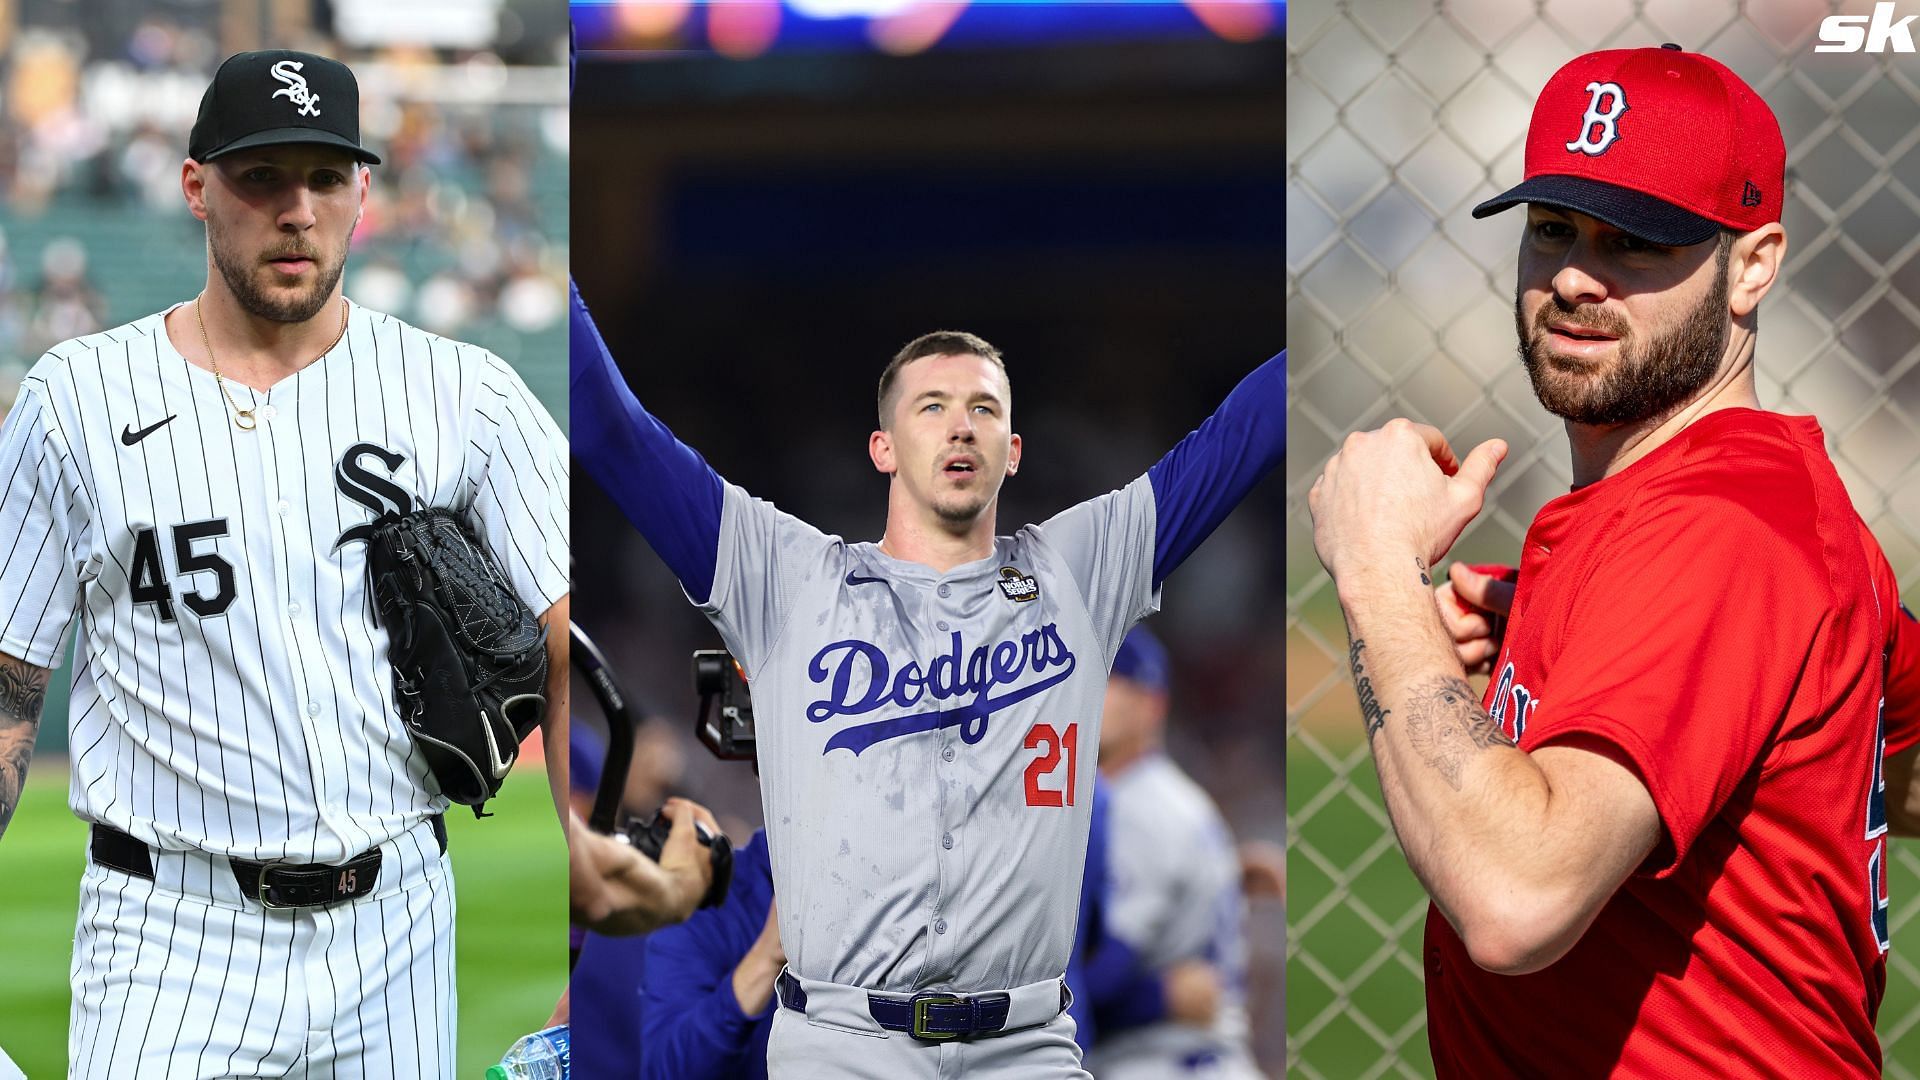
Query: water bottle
[[543, 1055]]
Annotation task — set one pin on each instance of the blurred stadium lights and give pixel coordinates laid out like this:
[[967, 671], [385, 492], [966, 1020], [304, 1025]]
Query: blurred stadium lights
[[914, 28], [1236, 20], [653, 18], [839, 9], [741, 29]]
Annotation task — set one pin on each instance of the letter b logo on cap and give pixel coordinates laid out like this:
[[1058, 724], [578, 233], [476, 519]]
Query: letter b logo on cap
[[1598, 129]]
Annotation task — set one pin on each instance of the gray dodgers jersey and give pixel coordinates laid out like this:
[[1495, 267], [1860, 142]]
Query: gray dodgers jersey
[[232, 692], [928, 741]]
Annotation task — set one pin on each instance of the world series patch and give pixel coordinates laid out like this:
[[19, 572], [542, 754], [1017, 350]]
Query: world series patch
[[1019, 587]]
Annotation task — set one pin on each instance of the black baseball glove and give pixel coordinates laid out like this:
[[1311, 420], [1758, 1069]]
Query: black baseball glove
[[469, 657]]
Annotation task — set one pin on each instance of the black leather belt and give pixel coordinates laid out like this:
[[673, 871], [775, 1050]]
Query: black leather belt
[[930, 1015], [273, 885]]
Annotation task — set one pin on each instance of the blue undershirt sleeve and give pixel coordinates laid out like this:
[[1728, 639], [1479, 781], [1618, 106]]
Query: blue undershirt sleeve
[[1199, 482]]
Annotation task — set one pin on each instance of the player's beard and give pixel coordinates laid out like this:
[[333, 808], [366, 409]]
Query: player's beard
[[1650, 378], [961, 507], [242, 276]]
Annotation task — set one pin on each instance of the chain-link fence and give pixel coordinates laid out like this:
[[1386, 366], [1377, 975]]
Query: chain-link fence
[[1402, 114]]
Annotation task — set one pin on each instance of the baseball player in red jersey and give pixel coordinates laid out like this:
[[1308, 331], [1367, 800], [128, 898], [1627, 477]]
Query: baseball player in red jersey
[[1656, 845]]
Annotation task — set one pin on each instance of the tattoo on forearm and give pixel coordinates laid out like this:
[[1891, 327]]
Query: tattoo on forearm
[[23, 693], [1445, 724], [1422, 564], [1370, 709]]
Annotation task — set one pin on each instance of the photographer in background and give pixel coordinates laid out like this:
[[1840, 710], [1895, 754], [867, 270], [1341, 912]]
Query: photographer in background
[[608, 969], [617, 890]]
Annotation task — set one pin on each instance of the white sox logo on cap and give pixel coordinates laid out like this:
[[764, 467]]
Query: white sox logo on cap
[[288, 71], [1607, 121]]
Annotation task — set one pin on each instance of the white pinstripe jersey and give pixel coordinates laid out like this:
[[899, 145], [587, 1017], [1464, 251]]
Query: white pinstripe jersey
[[231, 691]]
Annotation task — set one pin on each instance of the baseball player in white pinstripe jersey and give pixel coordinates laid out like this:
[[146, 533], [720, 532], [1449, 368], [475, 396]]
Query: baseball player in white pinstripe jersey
[[192, 488]]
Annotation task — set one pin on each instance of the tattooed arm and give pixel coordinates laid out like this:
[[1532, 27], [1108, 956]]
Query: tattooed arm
[[1518, 850], [23, 693]]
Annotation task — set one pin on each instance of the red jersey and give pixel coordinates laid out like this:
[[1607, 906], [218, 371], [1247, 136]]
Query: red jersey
[[1718, 614]]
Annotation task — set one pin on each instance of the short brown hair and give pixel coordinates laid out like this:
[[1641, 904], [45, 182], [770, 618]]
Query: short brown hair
[[938, 343]]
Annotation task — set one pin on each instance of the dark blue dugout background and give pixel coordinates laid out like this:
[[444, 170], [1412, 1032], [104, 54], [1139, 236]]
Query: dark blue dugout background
[[757, 237], [856, 224]]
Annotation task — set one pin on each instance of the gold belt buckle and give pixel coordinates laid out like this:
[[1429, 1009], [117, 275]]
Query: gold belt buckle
[[920, 1005]]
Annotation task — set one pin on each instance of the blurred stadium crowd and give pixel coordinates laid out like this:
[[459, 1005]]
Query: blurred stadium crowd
[[465, 232]]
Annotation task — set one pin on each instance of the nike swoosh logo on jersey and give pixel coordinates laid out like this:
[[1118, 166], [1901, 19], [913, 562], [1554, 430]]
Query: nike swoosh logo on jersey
[[129, 436], [856, 579], [494, 762]]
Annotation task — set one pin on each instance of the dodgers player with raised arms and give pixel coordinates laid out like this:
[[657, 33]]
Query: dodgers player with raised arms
[[929, 704], [267, 886]]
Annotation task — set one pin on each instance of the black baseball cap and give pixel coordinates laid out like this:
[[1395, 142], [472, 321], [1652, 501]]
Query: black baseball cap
[[274, 97]]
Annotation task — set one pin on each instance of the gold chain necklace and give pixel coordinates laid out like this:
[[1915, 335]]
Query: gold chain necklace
[[243, 418]]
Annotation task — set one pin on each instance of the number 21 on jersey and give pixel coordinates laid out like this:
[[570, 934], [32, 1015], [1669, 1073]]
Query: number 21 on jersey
[[1053, 745]]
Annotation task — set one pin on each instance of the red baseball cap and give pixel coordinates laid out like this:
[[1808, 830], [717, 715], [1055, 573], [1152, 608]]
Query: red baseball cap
[[1665, 144]]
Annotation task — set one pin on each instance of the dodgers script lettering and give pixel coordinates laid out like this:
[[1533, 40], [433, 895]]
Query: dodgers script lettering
[[859, 679]]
